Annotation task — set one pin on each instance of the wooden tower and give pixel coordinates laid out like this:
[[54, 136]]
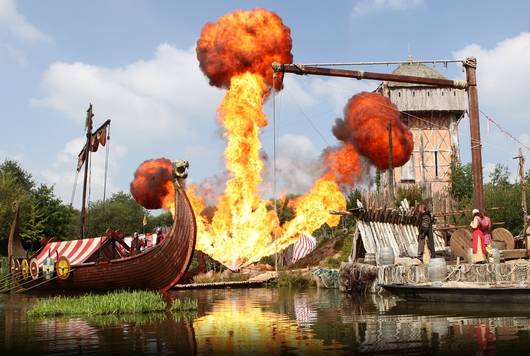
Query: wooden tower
[[432, 114]]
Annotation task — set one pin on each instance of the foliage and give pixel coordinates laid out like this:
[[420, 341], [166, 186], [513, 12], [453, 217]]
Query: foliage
[[11, 191], [508, 201], [502, 198], [414, 195], [461, 177], [33, 227], [22, 178], [60, 221], [114, 303], [120, 212], [161, 220], [284, 209], [41, 212], [294, 279], [184, 305], [500, 177]]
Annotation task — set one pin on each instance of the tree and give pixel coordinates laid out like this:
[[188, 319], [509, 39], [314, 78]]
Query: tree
[[62, 221], [164, 219], [10, 191], [33, 227], [119, 212], [500, 177], [461, 180], [20, 176]]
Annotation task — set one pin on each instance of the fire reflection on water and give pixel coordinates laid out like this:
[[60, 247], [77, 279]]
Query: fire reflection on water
[[273, 321]]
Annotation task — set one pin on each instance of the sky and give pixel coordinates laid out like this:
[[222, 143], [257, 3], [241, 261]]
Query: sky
[[135, 62]]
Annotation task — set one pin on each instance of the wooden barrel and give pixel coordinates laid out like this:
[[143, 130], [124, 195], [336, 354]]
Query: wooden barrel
[[461, 243], [386, 256], [502, 235], [437, 269]]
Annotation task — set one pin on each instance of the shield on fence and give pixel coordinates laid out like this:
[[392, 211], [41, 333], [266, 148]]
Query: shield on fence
[[63, 267], [24, 267], [34, 268], [48, 268]]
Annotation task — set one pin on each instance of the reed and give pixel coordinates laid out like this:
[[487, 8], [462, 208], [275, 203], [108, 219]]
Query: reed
[[114, 303], [187, 304]]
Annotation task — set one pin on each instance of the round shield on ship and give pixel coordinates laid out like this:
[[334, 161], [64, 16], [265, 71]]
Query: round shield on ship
[[48, 268], [24, 267], [13, 265], [63, 267], [34, 268]]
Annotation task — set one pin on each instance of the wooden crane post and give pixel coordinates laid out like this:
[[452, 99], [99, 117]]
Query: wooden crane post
[[470, 84], [474, 124]]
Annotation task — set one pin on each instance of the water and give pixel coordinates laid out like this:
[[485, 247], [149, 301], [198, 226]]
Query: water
[[276, 321]]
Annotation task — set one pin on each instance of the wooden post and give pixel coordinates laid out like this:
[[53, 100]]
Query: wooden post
[[474, 125], [88, 125], [390, 164], [523, 197]]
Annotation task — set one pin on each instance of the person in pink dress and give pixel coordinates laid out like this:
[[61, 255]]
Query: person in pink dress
[[485, 227], [477, 238]]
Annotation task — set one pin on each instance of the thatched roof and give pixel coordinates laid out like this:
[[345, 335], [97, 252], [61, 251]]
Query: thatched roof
[[416, 70]]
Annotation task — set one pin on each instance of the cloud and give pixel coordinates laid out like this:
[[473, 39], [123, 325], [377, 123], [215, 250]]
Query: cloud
[[503, 77], [17, 24], [62, 173], [162, 97], [364, 7], [156, 106]]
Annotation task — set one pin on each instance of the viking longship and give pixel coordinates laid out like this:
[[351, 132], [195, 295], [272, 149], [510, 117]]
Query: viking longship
[[107, 262]]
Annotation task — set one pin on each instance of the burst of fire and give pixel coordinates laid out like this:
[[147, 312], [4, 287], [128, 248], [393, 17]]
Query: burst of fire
[[367, 117], [345, 163], [236, 53], [152, 186], [241, 42]]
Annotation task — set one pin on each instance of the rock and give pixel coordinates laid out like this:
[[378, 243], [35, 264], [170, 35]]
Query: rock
[[226, 274]]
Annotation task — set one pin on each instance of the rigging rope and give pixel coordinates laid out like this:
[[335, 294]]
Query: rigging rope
[[74, 187], [274, 159], [503, 130], [89, 189]]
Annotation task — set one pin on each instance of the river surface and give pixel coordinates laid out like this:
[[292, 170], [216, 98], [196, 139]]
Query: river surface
[[275, 321]]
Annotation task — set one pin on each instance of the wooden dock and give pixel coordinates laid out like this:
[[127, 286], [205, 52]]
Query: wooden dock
[[256, 281]]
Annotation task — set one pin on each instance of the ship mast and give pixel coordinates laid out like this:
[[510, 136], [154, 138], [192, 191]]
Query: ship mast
[[88, 124]]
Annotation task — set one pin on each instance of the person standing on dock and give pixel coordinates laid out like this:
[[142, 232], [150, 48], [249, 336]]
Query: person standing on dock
[[425, 232], [485, 227], [477, 238]]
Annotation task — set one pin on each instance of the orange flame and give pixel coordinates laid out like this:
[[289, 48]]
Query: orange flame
[[345, 163], [236, 52], [367, 117]]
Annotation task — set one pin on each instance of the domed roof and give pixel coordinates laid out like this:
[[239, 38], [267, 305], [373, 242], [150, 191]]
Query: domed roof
[[415, 70]]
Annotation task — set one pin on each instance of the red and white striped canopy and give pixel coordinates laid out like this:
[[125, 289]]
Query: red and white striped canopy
[[77, 251], [303, 247]]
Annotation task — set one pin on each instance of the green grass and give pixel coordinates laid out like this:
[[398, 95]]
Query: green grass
[[187, 304], [114, 303], [294, 279]]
